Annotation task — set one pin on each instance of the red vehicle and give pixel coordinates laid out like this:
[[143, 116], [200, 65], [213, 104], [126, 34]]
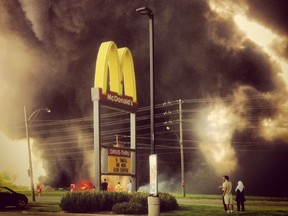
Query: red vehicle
[[8, 197]]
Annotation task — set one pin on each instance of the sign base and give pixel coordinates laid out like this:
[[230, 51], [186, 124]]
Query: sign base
[[153, 206]]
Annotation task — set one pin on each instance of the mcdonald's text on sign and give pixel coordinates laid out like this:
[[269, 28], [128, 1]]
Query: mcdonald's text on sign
[[112, 98]]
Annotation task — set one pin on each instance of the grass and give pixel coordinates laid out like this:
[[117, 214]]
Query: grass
[[185, 210], [214, 196], [44, 207], [45, 193], [198, 204]]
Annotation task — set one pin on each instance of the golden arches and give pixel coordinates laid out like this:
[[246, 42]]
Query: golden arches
[[118, 63]]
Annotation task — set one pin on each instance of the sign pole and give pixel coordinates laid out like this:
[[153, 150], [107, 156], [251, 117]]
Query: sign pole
[[133, 146], [97, 138]]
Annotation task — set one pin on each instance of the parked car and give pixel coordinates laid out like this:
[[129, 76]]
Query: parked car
[[8, 197]]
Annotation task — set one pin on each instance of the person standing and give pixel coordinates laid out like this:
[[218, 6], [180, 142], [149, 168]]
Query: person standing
[[104, 185], [221, 187], [227, 193], [119, 188], [129, 187], [240, 197]]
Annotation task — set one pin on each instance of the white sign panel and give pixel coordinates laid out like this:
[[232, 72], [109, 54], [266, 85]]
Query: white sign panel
[[153, 175]]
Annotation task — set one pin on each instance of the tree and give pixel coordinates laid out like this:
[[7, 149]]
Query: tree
[[7, 179]]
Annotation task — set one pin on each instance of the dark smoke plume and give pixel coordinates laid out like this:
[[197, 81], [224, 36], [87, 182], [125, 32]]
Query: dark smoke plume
[[48, 53]]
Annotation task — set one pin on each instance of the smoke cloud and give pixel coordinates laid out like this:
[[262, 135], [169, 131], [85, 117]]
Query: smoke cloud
[[47, 59]]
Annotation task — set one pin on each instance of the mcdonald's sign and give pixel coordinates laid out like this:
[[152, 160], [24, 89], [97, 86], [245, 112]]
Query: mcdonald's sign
[[115, 76]]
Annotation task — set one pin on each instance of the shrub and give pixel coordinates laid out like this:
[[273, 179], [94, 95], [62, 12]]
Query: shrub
[[167, 202], [121, 203], [129, 208], [140, 198], [82, 202], [138, 204], [111, 198]]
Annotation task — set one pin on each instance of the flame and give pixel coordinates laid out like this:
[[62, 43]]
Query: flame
[[83, 185]]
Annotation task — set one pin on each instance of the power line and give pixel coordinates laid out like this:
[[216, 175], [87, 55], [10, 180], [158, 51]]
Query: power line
[[58, 133]]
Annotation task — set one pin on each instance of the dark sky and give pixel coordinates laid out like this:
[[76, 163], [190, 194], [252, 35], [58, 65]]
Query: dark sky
[[48, 52]]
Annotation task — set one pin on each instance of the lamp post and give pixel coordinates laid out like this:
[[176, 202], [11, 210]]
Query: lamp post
[[153, 201], [180, 139], [27, 120], [148, 12]]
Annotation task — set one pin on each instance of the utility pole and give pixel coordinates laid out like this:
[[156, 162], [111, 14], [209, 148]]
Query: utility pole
[[181, 148]]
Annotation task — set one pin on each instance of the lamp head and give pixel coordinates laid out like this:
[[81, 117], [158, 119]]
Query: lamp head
[[145, 11], [47, 110], [168, 128]]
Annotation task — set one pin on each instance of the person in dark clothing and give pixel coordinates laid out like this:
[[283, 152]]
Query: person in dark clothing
[[240, 197], [104, 185]]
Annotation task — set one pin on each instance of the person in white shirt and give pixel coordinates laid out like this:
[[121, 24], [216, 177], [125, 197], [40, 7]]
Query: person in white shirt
[[129, 187]]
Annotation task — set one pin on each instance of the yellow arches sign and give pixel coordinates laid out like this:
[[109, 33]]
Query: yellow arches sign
[[114, 86], [115, 76]]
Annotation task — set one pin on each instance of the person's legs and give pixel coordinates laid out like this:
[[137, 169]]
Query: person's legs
[[231, 207], [238, 206], [225, 207], [231, 203], [226, 200], [242, 206]]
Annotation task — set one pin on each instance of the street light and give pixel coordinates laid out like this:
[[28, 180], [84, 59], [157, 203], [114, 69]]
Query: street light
[[30, 118], [148, 12], [180, 139], [153, 202]]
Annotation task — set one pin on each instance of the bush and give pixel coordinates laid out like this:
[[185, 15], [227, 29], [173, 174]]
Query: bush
[[167, 202], [140, 198], [82, 202], [129, 208], [120, 203], [111, 198]]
